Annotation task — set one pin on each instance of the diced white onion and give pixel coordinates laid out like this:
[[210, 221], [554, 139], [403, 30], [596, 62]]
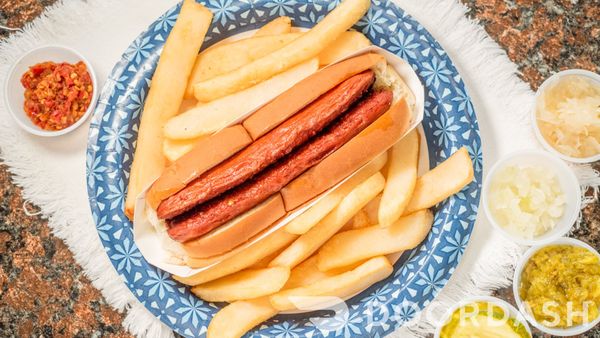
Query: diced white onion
[[527, 201]]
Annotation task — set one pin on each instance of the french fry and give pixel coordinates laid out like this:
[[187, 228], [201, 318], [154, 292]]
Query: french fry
[[445, 180], [307, 273], [210, 117], [235, 319], [346, 44], [242, 285], [165, 96], [241, 260], [264, 263], [307, 46], [281, 25], [401, 179], [187, 104], [230, 56], [349, 247], [174, 149], [372, 208], [341, 286], [319, 210], [361, 220], [310, 242]]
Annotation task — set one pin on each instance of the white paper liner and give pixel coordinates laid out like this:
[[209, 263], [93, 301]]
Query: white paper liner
[[161, 251]]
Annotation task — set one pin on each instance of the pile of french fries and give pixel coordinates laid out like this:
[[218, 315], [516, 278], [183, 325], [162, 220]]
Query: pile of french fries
[[340, 245]]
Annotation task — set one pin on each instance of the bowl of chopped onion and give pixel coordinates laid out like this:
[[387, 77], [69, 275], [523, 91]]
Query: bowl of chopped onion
[[532, 197], [566, 117]]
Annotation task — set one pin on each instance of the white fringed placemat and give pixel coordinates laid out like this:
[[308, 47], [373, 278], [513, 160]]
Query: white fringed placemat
[[52, 171]]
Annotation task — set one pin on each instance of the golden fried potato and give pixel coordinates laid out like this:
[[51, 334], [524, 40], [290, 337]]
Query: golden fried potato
[[346, 44], [319, 210], [230, 56], [281, 25], [235, 319], [401, 179], [165, 96], [242, 285], [445, 180], [341, 286], [349, 247]]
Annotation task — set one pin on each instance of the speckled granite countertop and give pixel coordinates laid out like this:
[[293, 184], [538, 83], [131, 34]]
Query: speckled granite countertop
[[44, 293]]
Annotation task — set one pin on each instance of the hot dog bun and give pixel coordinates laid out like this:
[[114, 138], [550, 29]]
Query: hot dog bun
[[207, 153], [238, 230]]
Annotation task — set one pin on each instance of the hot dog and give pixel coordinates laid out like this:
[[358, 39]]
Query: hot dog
[[248, 195], [228, 203], [269, 148]]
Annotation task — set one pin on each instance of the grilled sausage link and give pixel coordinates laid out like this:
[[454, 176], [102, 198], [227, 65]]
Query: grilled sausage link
[[270, 148], [237, 201]]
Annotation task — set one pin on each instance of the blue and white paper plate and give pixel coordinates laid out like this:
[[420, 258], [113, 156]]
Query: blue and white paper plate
[[419, 275]]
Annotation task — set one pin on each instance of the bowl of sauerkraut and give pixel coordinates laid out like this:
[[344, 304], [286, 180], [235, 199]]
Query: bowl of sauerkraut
[[566, 116]]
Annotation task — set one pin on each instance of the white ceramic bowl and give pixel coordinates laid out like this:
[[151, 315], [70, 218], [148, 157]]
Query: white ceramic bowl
[[14, 91], [552, 79], [572, 331], [511, 310], [568, 183]]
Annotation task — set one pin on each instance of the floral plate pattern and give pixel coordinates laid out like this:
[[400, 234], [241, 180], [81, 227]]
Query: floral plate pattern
[[449, 124]]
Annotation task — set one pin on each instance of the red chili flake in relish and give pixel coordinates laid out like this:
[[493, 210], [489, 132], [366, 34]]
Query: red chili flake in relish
[[56, 94]]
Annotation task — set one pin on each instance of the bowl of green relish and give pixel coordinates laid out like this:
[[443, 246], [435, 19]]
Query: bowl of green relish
[[557, 287]]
